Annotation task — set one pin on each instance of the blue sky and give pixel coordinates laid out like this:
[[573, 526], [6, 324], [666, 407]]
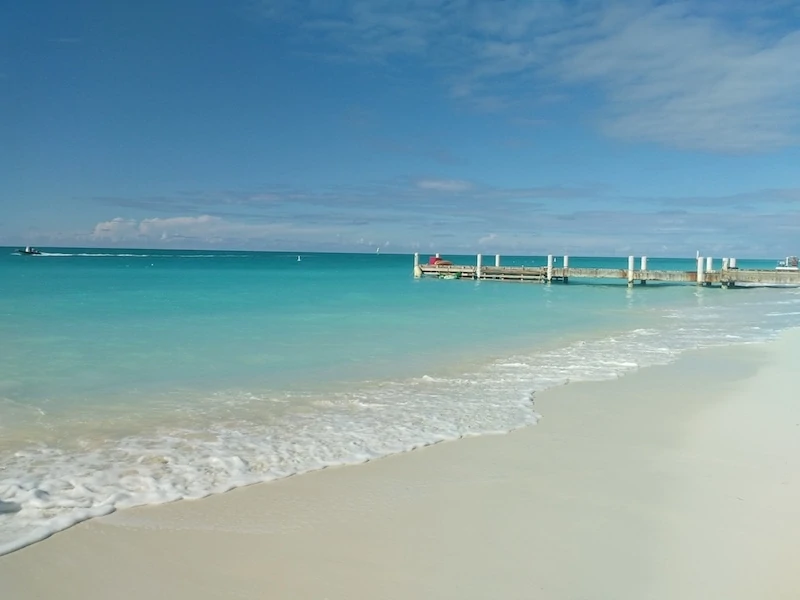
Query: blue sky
[[573, 126]]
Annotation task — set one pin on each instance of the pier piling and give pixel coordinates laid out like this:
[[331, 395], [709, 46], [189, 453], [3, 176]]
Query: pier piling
[[549, 268], [731, 274], [701, 276], [631, 264]]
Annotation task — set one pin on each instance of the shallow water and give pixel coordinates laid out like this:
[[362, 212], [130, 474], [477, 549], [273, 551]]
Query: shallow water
[[134, 377]]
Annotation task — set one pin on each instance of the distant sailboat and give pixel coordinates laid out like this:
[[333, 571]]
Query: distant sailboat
[[298, 258], [378, 250]]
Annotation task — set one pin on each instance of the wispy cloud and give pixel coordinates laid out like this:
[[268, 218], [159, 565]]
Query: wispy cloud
[[415, 148], [205, 229], [386, 200], [763, 201], [449, 215], [692, 74], [444, 185], [675, 77], [402, 212], [380, 135]]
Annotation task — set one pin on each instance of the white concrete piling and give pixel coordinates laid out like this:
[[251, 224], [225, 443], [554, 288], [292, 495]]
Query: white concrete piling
[[631, 264], [709, 264], [496, 260], [725, 264], [417, 269], [644, 263], [701, 275], [479, 266], [732, 263], [549, 268]]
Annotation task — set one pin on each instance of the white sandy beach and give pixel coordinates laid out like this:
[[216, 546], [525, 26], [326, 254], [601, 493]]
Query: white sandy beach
[[676, 482]]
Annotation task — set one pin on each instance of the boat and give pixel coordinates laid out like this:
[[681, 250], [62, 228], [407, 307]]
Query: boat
[[790, 263], [28, 251]]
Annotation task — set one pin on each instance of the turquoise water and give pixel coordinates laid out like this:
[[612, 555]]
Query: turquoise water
[[134, 377]]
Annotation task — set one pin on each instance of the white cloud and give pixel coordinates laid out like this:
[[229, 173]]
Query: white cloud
[[203, 228], [444, 185], [693, 74], [403, 216], [674, 77]]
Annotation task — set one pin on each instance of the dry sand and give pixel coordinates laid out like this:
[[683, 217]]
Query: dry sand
[[676, 482]]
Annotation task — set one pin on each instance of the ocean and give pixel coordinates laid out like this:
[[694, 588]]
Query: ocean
[[131, 377]]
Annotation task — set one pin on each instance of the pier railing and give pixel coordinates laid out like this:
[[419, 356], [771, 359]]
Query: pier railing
[[729, 275]]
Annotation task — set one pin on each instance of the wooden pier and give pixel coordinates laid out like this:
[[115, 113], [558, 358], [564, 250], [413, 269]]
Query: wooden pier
[[728, 276]]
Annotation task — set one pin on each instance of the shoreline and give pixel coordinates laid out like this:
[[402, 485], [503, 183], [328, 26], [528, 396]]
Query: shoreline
[[646, 488]]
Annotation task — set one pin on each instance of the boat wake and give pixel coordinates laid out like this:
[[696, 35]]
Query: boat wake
[[130, 255]]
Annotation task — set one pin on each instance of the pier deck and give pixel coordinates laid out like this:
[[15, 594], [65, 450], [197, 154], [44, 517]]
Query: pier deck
[[728, 276]]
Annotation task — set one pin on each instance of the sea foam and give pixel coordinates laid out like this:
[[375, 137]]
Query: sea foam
[[45, 489]]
